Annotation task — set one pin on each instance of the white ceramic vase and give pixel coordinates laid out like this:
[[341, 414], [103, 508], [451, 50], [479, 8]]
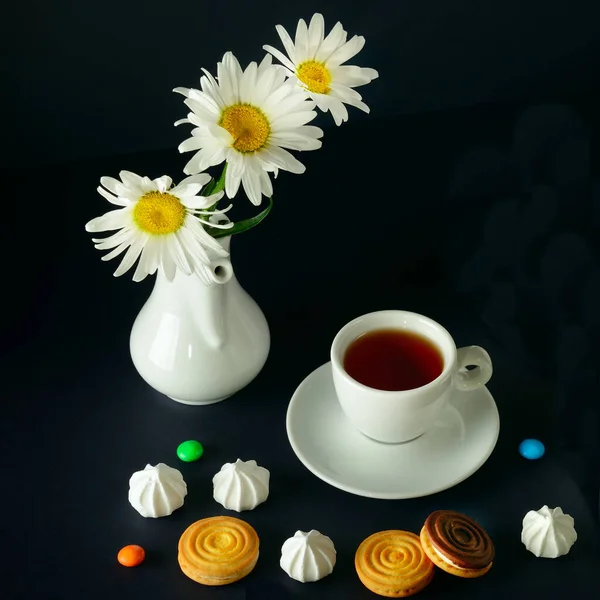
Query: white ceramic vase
[[196, 343]]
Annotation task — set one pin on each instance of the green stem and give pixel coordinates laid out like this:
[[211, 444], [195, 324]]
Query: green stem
[[241, 226], [214, 186], [220, 185]]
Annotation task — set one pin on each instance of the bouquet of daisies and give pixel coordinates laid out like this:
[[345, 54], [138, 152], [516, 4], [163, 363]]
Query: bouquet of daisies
[[247, 120]]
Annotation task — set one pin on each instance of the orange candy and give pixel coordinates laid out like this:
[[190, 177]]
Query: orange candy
[[131, 556]]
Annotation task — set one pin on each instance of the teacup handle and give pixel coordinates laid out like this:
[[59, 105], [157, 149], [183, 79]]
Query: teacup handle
[[471, 379]]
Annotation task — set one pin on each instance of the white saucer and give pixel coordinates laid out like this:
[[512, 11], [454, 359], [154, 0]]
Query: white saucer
[[332, 449]]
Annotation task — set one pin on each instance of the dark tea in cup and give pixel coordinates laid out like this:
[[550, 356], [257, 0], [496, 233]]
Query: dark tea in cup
[[393, 360]]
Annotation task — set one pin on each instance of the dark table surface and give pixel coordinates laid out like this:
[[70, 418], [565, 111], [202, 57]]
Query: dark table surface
[[485, 219]]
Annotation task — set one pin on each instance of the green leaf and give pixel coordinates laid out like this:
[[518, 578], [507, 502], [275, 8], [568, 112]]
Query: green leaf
[[244, 225], [214, 186]]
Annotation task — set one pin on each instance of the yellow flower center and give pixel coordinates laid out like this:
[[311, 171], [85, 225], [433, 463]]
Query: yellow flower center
[[247, 125], [159, 213], [315, 76]]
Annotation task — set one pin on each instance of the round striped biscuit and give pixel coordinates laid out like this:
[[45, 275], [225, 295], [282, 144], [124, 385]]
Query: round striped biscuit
[[218, 550], [457, 544], [393, 564]]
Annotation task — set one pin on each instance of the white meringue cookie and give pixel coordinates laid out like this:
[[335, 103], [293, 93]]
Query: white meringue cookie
[[548, 532], [308, 556], [241, 485], [157, 491]]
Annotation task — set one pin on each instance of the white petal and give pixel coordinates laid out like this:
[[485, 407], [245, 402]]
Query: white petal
[[194, 250], [301, 41], [211, 134], [147, 185], [130, 194], [167, 264], [131, 179], [251, 186], [335, 106], [266, 184], [163, 183], [282, 159], [291, 103], [271, 103], [177, 254], [186, 190], [217, 217], [353, 76], [112, 199], [200, 110], [118, 250], [265, 64], [131, 255], [227, 76], [280, 56], [251, 183], [144, 265], [248, 82], [123, 235], [204, 239], [204, 158], [316, 31], [293, 120], [293, 140], [155, 249], [111, 184], [346, 52], [232, 182], [207, 101], [348, 96], [193, 143], [183, 91], [234, 160], [211, 88], [269, 78], [219, 134], [197, 120], [200, 202], [115, 219], [201, 179], [339, 112], [336, 38], [286, 40], [203, 272], [285, 72], [181, 122]]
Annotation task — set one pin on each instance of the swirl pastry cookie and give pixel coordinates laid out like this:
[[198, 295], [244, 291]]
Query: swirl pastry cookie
[[457, 544], [218, 550], [392, 564]]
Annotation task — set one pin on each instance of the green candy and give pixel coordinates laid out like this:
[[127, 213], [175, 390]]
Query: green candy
[[190, 451]]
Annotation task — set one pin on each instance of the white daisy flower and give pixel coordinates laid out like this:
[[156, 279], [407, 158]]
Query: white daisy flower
[[248, 118], [316, 63], [159, 224]]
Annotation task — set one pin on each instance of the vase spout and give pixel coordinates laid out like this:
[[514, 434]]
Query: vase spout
[[221, 271], [212, 312]]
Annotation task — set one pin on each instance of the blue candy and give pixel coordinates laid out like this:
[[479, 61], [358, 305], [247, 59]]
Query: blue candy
[[531, 449]]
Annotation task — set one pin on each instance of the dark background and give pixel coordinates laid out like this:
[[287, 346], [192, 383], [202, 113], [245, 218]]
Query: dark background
[[94, 78], [471, 194]]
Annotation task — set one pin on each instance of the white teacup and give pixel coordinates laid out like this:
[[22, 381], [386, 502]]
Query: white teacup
[[400, 416]]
